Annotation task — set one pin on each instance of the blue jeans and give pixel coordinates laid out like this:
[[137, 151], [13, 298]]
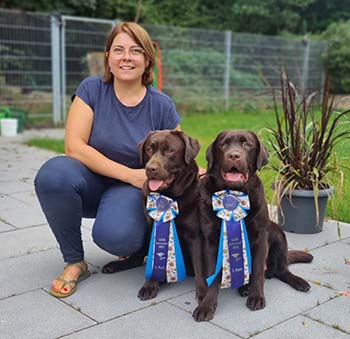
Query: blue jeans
[[68, 191]]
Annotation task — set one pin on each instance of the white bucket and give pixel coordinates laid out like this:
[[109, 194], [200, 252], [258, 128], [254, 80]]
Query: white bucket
[[8, 127]]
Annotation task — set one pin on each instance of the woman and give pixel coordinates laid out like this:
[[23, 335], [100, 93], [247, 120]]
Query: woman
[[101, 176]]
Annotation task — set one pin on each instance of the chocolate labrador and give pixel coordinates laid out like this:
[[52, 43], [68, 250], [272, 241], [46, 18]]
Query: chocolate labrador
[[233, 160], [172, 171]]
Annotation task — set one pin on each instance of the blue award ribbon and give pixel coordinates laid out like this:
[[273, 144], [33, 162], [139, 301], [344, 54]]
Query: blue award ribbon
[[165, 260], [234, 257]]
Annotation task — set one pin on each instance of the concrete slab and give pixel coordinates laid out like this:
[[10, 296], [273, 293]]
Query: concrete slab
[[330, 234], [38, 315], [282, 302], [15, 186], [5, 227], [335, 313], [88, 223], [29, 198], [157, 322], [27, 241], [7, 202], [24, 217], [301, 328], [29, 272], [119, 294], [329, 267]]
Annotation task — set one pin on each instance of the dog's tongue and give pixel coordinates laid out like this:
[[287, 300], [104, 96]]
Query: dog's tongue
[[233, 176], [155, 184]]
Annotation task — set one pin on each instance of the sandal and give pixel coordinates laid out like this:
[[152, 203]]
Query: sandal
[[73, 284]]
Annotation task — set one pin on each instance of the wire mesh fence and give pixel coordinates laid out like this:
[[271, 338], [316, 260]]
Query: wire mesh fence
[[25, 62], [43, 58]]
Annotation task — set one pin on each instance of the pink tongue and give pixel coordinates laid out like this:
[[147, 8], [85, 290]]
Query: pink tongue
[[155, 184], [233, 176]]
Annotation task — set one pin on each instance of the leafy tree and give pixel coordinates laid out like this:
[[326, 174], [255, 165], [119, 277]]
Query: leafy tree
[[268, 16], [338, 56], [321, 13]]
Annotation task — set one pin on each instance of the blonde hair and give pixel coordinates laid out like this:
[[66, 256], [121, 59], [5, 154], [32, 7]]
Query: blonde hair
[[142, 38]]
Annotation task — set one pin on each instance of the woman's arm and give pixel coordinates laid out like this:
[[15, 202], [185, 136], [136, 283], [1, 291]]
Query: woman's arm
[[78, 129]]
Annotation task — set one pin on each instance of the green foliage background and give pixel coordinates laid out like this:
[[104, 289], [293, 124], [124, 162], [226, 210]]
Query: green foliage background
[[319, 18], [338, 56]]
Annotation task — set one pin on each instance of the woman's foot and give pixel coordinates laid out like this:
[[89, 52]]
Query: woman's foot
[[67, 282]]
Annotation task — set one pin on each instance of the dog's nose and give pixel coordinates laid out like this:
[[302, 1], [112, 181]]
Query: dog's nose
[[151, 168], [234, 155]]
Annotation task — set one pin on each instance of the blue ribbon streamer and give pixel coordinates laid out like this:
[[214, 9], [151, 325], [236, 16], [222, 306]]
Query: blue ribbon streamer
[[218, 267], [180, 264], [220, 207]]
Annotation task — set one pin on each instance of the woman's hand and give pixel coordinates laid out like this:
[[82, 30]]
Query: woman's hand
[[137, 177]]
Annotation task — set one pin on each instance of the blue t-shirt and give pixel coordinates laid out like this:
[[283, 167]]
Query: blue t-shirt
[[117, 129]]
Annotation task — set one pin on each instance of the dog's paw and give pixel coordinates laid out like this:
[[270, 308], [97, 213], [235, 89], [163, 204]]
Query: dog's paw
[[147, 292], [257, 302], [203, 313], [244, 290], [301, 285], [200, 297]]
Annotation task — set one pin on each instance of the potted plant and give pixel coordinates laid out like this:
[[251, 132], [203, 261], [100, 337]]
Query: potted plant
[[304, 142]]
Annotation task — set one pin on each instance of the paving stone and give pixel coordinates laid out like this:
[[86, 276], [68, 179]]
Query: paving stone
[[301, 328], [29, 198], [328, 235], [5, 227], [282, 302], [329, 267], [7, 202], [335, 313], [88, 223], [38, 315], [29, 272], [15, 186], [23, 217], [156, 322], [26, 241], [106, 296]]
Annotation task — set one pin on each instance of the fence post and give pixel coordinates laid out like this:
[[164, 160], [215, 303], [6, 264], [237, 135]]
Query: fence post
[[55, 69], [305, 71], [63, 69], [228, 39]]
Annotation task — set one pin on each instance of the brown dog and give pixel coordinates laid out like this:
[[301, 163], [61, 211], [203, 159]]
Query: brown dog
[[233, 159], [172, 171]]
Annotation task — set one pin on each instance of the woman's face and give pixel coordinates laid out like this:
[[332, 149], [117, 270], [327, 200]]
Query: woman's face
[[126, 59]]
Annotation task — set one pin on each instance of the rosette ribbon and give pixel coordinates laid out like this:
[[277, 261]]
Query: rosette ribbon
[[165, 260], [234, 258]]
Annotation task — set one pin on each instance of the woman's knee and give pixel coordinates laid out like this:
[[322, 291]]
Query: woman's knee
[[119, 239], [57, 174]]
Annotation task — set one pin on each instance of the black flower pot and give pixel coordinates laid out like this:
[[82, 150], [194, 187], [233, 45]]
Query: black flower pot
[[297, 211]]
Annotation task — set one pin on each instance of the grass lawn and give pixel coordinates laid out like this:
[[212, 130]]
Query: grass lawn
[[205, 127]]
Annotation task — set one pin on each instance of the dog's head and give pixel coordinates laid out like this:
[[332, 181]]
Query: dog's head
[[168, 157], [234, 157]]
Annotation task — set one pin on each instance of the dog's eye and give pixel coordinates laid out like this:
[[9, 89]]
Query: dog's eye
[[246, 144], [148, 149], [169, 151]]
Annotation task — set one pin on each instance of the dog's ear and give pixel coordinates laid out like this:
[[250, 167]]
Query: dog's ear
[[192, 146], [141, 146], [263, 156], [210, 156]]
